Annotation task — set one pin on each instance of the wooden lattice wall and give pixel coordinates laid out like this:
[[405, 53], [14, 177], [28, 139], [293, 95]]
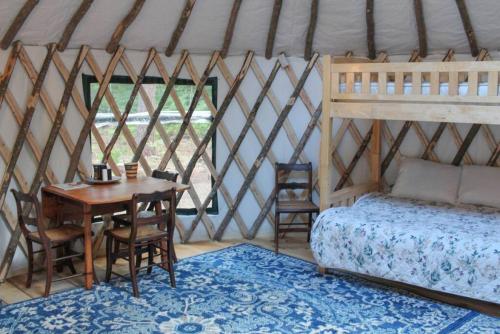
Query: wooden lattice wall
[[40, 100], [345, 164], [269, 99]]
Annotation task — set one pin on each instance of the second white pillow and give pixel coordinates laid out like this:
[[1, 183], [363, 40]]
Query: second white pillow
[[427, 180]]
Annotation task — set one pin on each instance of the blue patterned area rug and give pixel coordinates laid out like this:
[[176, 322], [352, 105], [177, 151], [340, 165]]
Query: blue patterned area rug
[[241, 289]]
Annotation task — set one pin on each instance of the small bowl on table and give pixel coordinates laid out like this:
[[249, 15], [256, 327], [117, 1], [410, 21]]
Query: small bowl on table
[[131, 170]]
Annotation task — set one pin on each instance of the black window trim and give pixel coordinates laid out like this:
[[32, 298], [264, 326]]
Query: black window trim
[[125, 79]]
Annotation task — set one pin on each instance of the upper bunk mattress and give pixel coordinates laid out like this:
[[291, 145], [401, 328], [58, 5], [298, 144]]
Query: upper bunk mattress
[[432, 245]]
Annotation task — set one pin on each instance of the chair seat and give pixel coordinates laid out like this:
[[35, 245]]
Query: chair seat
[[148, 232], [124, 219], [62, 233], [291, 206]]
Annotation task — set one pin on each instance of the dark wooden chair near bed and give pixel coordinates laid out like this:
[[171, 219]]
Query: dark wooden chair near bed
[[36, 231], [293, 206], [124, 219], [151, 232]]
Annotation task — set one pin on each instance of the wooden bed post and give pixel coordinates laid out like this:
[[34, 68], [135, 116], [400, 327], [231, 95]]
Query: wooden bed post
[[375, 153], [325, 165]]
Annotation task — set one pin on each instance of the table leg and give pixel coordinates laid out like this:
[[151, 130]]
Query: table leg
[[87, 225]]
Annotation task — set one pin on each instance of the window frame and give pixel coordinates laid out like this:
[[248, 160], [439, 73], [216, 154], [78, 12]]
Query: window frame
[[87, 80]]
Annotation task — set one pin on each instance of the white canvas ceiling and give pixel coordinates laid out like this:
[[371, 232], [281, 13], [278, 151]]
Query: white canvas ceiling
[[341, 25]]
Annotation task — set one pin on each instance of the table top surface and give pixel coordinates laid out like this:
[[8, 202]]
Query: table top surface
[[115, 193]]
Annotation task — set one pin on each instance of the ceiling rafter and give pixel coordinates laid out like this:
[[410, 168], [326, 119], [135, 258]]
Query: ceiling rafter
[[123, 25], [176, 35], [73, 23], [273, 27], [471, 36], [313, 20], [18, 22], [422, 32], [370, 30], [230, 28]]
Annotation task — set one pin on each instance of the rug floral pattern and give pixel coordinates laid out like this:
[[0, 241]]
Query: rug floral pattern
[[241, 289]]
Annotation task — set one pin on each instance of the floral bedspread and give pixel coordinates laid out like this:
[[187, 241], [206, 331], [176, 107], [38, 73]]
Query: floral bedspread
[[432, 245]]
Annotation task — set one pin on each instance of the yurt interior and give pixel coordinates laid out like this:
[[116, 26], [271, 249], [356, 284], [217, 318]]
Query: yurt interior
[[249, 166]]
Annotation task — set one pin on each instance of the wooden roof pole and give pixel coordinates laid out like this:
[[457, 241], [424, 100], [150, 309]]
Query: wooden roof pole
[[123, 25], [230, 28], [18, 22], [422, 32], [370, 30], [176, 35], [311, 29], [471, 37], [72, 24], [273, 27]]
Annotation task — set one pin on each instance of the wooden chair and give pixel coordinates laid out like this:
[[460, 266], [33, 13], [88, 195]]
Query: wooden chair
[[293, 206], [124, 219], [59, 237], [152, 232]]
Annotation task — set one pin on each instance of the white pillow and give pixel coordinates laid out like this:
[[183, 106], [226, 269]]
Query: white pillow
[[427, 180], [480, 185]]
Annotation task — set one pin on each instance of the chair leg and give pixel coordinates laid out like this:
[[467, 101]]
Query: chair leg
[[94, 274], [69, 262], [151, 255], [171, 245], [132, 268], [109, 257], [50, 270], [276, 231], [59, 264], [171, 267], [117, 243], [309, 228], [29, 277], [138, 258]]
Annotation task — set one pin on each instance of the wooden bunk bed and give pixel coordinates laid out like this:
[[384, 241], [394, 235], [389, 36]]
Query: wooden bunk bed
[[451, 92]]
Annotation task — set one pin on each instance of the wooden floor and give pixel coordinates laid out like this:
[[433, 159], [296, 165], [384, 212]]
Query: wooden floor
[[14, 290]]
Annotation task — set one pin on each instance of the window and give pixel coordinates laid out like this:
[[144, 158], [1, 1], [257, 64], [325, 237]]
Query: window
[[170, 118]]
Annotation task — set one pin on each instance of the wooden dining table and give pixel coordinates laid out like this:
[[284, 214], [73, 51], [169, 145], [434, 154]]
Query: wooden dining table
[[94, 200]]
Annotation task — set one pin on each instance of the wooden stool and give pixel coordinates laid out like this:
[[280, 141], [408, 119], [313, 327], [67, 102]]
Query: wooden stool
[[293, 206]]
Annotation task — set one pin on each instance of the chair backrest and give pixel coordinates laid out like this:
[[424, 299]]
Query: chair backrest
[[283, 171], [160, 218], [165, 175], [25, 204]]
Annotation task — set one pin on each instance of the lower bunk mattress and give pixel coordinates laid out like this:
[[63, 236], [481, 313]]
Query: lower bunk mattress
[[453, 249]]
